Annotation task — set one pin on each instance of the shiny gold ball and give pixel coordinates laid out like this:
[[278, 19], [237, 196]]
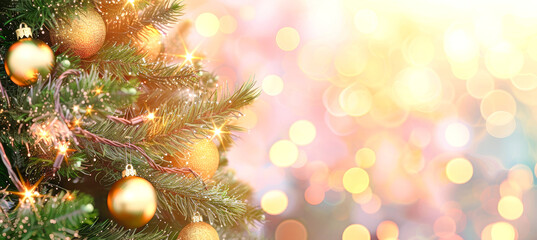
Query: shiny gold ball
[[203, 158], [198, 231], [148, 40], [27, 58], [83, 33], [132, 201]]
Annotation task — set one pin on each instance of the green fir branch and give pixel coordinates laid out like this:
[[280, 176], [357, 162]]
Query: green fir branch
[[50, 217]]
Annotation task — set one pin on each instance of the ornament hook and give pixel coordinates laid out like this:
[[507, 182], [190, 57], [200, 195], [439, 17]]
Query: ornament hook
[[129, 171], [24, 31], [197, 217]]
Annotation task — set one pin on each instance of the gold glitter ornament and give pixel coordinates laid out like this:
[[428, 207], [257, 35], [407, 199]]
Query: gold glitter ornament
[[132, 200], [203, 157], [28, 58], [84, 33], [198, 230]]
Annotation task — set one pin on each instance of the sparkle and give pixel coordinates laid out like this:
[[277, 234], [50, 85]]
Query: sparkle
[[189, 56], [98, 90], [217, 131], [63, 148], [150, 116]]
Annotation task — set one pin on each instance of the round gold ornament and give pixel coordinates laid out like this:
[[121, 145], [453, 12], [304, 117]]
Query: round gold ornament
[[148, 40], [198, 230], [28, 58], [203, 158], [132, 200], [84, 33]]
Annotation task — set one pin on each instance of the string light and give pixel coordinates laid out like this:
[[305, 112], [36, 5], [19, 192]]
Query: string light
[[98, 90], [89, 109], [63, 148], [29, 193], [75, 108], [76, 122], [150, 116]]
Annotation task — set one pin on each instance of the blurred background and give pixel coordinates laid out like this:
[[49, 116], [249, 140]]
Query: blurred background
[[380, 119]]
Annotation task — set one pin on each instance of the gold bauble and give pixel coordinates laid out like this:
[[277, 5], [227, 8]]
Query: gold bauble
[[148, 40], [198, 231], [84, 33], [203, 158], [132, 201], [26, 59]]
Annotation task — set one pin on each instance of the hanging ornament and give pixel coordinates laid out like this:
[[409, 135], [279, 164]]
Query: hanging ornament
[[132, 200], [83, 33], [27, 58], [198, 230], [202, 157], [148, 40]]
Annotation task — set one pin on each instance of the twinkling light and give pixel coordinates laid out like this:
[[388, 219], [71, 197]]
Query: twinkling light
[[272, 85], [502, 231], [459, 170], [355, 100], [356, 231], [283, 153], [274, 202], [350, 60], [365, 157], [387, 230], [207, 24], [287, 39], [418, 88], [419, 51], [363, 197], [373, 205], [457, 134], [355, 180], [366, 21], [501, 124], [302, 132], [510, 207], [291, 230], [460, 44], [314, 195]]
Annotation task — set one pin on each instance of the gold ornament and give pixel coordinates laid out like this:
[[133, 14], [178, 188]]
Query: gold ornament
[[27, 58], [132, 200], [203, 158], [148, 40], [84, 33], [198, 230]]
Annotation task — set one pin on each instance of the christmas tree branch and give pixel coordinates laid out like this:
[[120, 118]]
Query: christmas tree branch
[[46, 12], [41, 217], [160, 15], [107, 230]]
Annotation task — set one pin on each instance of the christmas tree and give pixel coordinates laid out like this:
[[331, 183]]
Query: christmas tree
[[104, 136]]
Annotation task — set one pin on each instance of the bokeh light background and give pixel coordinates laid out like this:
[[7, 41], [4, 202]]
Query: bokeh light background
[[381, 119]]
